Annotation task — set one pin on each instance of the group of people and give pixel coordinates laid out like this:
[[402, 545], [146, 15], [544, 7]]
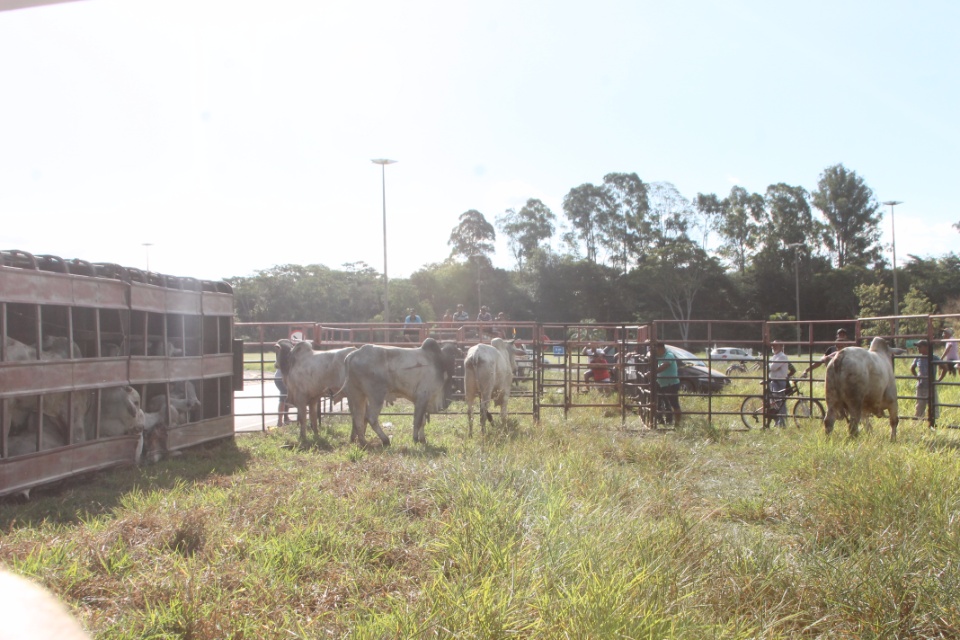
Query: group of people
[[499, 330]]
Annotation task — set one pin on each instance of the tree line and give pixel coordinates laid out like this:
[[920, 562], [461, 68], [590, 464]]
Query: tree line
[[629, 251]]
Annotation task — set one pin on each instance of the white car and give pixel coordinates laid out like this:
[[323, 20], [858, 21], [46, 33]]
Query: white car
[[734, 354]]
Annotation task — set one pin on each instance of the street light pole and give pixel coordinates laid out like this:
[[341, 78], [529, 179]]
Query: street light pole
[[796, 273], [148, 245], [383, 162], [893, 246]]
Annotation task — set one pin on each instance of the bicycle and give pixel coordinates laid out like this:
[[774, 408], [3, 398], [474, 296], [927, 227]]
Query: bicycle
[[763, 410]]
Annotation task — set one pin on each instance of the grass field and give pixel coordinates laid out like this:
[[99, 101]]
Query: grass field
[[580, 528]]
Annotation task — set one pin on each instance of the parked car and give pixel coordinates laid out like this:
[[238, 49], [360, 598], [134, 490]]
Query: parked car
[[732, 353], [695, 375]]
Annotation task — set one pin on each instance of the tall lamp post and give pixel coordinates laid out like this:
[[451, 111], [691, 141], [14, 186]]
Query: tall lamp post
[[383, 162], [796, 273], [147, 245], [893, 246]]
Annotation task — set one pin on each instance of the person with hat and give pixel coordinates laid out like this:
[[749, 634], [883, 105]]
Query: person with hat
[[950, 354], [830, 351]]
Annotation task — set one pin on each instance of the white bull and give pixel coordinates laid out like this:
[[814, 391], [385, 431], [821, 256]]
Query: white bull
[[310, 375], [861, 381], [422, 375], [488, 372]]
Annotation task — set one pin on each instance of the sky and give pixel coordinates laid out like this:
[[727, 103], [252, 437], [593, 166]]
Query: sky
[[234, 135]]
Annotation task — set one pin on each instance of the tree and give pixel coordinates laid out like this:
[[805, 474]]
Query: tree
[[737, 220], [670, 211], [627, 231], [916, 303], [582, 206], [527, 229], [874, 300], [473, 236], [678, 277], [852, 214]]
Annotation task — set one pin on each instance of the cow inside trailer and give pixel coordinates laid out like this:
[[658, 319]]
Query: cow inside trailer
[[99, 363]]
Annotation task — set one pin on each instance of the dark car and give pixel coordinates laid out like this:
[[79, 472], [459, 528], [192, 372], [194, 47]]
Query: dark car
[[695, 375]]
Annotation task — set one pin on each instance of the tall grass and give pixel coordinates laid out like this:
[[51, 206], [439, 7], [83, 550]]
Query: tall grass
[[576, 528]]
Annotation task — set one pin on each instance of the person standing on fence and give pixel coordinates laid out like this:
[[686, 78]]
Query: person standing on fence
[[922, 369], [950, 353], [668, 381], [779, 372]]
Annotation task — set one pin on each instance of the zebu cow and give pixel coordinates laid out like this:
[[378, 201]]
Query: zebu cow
[[183, 399], [488, 372], [63, 410], [422, 375], [310, 375], [861, 381]]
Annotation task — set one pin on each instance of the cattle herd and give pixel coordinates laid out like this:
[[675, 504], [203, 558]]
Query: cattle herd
[[58, 419], [374, 375], [858, 382]]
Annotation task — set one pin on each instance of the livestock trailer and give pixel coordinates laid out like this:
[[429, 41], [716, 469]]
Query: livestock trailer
[[73, 333]]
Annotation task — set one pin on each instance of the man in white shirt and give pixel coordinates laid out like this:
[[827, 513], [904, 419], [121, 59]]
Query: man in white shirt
[[779, 371]]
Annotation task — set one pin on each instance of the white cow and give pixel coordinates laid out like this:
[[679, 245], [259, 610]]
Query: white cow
[[861, 381], [310, 375], [62, 410], [422, 375], [488, 372], [183, 398]]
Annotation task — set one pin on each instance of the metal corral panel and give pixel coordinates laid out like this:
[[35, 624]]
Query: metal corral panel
[[198, 432], [28, 471]]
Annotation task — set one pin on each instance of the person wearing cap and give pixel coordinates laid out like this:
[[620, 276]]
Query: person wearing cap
[[484, 315], [922, 369], [830, 351], [461, 315], [950, 353]]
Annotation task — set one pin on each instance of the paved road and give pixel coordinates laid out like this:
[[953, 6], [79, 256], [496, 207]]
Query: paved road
[[257, 398]]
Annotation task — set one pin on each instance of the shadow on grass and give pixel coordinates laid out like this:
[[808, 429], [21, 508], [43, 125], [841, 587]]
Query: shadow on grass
[[89, 495]]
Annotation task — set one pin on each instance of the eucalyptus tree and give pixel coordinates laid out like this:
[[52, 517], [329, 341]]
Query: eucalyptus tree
[[738, 221], [672, 212], [527, 229], [853, 215], [625, 222], [472, 239], [583, 207], [473, 236]]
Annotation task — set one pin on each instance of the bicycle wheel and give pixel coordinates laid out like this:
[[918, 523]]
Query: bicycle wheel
[[807, 413], [751, 411]]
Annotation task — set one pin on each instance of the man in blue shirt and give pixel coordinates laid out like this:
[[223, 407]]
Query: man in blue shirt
[[668, 381], [411, 330]]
